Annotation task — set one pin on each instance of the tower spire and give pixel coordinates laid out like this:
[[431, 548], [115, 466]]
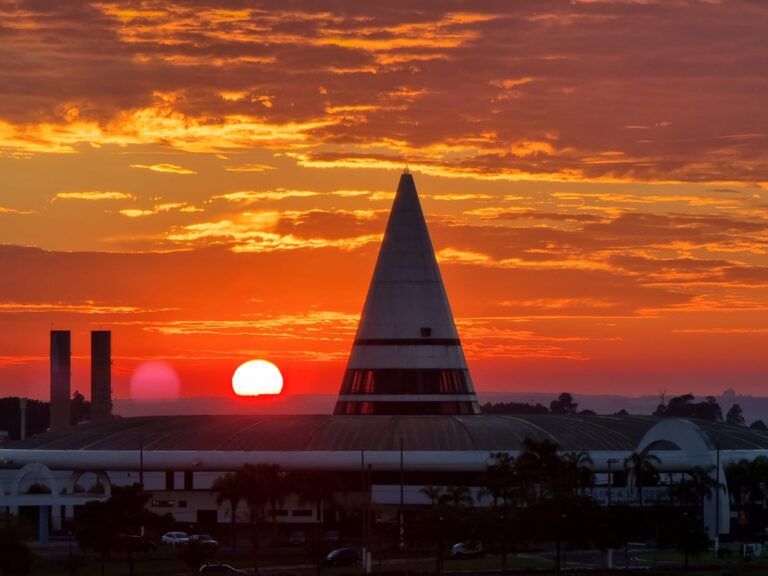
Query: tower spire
[[407, 356]]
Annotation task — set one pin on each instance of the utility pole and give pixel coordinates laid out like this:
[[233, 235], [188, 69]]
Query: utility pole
[[610, 485], [141, 460], [402, 512], [610, 478], [363, 512], [717, 498]]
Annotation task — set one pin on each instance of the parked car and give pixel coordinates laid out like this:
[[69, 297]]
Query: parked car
[[203, 541], [470, 549], [219, 569], [342, 557], [175, 539], [140, 544], [297, 538]]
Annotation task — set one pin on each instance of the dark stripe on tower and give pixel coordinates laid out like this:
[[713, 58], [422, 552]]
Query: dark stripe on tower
[[407, 381], [407, 342], [410, 407]]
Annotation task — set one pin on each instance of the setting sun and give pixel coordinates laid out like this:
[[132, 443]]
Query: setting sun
[[257, 377]]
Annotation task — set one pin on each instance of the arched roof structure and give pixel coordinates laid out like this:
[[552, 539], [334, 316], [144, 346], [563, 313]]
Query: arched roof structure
[[435, 434]]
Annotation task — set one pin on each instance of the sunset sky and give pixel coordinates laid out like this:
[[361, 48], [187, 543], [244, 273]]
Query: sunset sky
[[211, 182]]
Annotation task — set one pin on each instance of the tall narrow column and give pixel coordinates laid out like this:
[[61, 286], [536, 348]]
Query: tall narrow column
[[407, 356], [60, 379], [101, 375]]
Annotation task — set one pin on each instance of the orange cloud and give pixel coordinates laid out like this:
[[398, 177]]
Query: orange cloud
[[255, 232], [4, 210], [253, 195], [249, 168], [167, 168], [93, 196]]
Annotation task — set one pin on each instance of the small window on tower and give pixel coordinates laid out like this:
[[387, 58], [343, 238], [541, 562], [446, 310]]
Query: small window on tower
[[426, 331]]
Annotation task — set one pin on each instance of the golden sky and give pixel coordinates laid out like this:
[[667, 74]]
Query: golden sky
[[211, 182]]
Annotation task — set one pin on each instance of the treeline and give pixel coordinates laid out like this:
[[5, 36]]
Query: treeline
[[38, 414], [564, 404], [684, 406]]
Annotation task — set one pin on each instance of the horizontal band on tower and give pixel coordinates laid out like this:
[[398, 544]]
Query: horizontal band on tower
[[407, 398], [408, 342], [407, 381], [449, 408]]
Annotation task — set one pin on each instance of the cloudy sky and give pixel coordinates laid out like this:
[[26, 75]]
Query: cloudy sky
[[211, 182]]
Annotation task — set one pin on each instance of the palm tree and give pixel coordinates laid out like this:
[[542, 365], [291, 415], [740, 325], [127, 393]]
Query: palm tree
[[230, 488], [702, 483], [501, 478], [539, 465], [434, 493], [746, 481], [264, 484], [313, 487], [457, 496], [643, 467], [501, 482], [578, 468]]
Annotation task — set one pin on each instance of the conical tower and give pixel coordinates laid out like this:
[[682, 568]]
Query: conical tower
[[407, 356]]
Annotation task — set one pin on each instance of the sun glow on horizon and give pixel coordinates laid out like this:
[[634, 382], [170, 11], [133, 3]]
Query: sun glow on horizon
[[257, 377]]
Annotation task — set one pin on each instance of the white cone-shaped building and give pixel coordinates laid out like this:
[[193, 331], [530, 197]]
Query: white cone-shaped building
[[407, 356]]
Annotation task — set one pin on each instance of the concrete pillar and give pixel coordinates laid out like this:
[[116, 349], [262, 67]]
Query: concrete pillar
[[42, 530], [60, 379], [101, 375], [56, 517]]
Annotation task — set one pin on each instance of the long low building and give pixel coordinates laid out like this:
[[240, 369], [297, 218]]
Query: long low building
[[178, 457], [439, 443]]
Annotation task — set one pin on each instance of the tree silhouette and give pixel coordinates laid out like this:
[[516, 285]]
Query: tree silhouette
[[735, 416], [80, 408], [578, 470], [513, 408], [264, 485], [445, 517], [643, 467], [746, 481], [685, 407], [434, 493], [457, 496], [230, 488], [540, 468], [103, 525], [314, 487], [501, 479], [701, 484], [501, 482], [15, 555], [563, 405]]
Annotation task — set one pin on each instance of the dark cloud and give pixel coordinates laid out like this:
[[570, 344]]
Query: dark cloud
[[676, 88]]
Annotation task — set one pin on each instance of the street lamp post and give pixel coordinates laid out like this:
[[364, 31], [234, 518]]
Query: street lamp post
[[717, 497], [401, 513], [503, 544], [610, 477], [141, 461], [610, 484], [71, 560]]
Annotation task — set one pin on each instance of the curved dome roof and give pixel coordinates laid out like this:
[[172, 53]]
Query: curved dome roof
[[380, 433]]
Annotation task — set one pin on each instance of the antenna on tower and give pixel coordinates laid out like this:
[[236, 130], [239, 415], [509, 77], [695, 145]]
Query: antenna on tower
[[406, 170]]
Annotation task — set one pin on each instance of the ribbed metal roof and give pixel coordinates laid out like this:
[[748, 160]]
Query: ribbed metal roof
[[382, 433]]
